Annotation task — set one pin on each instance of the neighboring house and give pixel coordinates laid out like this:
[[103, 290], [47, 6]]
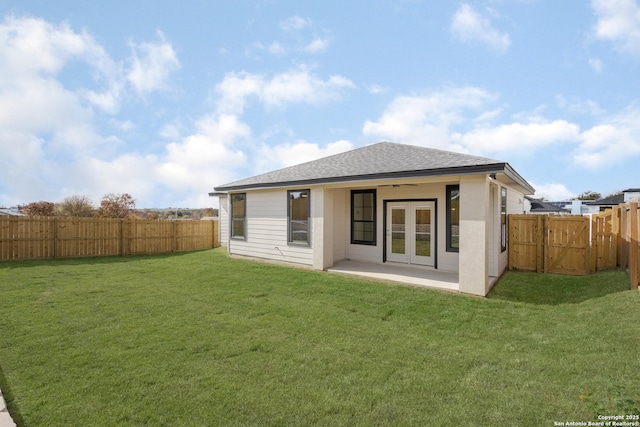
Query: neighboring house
[[627, 195], [11, 212], [542, 207], [389, 204]]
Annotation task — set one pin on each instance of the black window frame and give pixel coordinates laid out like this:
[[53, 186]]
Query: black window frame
[[449, 220], [355, 241], [290, 230], [232, 219], [503, 219]]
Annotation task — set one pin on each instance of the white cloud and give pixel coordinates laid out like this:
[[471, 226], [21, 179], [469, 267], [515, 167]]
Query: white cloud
[[291, 87], [613, 141], [277, 48], [299, 37], [552, 191], [596, 65], [191, 167], [317, 45], [32, 46], [618, 21], [376, 89], [283, 155], [300, 85], [151, 65], [579, 106], [525, 136], [470, 26], [427, 119], [295, 23], [181, 175]]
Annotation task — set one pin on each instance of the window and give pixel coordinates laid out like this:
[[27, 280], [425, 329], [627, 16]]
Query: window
[[238, 215], [363, 217], [453, 218], [503, 219], [298, 212]]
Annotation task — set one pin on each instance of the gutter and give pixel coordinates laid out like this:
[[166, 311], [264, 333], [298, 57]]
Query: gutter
[[458, 170]]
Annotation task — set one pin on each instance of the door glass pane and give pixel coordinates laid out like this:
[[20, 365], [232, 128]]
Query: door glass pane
[[423, 232], [398, 227]]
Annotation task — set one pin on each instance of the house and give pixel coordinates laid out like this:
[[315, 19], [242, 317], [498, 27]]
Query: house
[[11, 212], [389, 205], [567, 207], [538, 206], [625, 196]]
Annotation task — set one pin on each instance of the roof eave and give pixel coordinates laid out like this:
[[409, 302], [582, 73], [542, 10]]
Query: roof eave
[[457, 170], [515, 176]]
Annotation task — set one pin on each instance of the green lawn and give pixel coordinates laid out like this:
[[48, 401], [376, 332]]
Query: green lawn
[[200, 339]]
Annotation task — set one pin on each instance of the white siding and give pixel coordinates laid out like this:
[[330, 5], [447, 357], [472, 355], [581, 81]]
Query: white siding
[[266, 235]]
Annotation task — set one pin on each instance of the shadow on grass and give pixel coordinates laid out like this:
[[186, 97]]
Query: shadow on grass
[[97, 260], [554, 289]]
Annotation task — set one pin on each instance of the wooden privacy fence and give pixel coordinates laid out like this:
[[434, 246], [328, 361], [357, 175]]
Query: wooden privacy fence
[[69, 237], [573, 244], [549, 244]]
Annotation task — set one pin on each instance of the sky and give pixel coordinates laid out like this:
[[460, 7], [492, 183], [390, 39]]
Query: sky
[[165, 100]]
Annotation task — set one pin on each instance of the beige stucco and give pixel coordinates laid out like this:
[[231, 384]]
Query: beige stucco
[[474, 237]]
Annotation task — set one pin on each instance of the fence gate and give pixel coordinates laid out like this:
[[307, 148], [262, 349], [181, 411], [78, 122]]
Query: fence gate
[[550, 244], [526, 242], [569, 245], [605, 229]]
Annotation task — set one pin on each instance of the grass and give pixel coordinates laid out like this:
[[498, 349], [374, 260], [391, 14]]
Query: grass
[[202, 339]]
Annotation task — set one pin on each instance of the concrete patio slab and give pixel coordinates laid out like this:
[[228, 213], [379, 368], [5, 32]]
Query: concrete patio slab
[[400, 273]]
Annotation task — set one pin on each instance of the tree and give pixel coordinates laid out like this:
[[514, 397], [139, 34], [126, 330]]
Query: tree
[[116, 205], [589, 195], [615, 193], [79, 206], [40, 208]]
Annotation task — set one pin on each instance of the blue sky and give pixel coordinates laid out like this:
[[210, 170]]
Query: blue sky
[[165, 100]]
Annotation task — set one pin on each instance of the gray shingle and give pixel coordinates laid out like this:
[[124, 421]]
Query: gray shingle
[[381, 160]]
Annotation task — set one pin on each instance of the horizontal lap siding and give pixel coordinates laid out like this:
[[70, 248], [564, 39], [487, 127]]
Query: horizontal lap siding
[[267, 230]]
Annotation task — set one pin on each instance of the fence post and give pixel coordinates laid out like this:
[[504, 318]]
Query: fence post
[[595, 239], [174, 240], [122, 251], [539, 244], [615, 233], [545, 243], [55, 237], [633, 241]]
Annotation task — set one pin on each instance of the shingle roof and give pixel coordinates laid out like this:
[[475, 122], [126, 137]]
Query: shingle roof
[[611, 200], [540, 206], [377, 161]]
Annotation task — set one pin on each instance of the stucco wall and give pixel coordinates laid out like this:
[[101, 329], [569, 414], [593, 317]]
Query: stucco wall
[[224, 220]]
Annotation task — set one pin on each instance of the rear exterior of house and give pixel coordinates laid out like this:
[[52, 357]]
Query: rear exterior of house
[[385, 203]]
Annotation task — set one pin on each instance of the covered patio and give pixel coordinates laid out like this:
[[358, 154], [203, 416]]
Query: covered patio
[[400, 273]]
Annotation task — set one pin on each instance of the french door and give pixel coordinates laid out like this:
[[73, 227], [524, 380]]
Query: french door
[[410, 228]]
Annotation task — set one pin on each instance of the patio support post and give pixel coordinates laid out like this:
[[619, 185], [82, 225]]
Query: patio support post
[[474, 235], [322, 223]]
